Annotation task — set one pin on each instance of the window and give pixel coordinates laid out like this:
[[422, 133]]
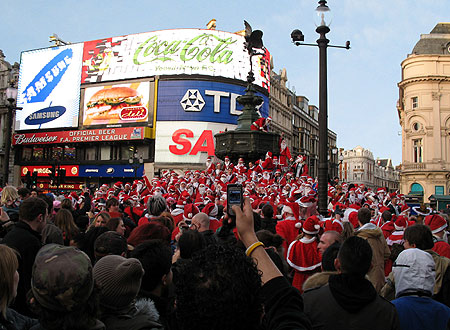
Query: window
[[415, 102], [417, 151], [416, 127], [439, 190]]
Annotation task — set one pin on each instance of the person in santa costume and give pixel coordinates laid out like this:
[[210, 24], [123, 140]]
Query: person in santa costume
[[438, 225], [285, 154], [303, 255], [261, 124], [300, 168], [290, 226]]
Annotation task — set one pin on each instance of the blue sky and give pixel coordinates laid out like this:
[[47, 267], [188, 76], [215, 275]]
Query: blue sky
[[362, 82]]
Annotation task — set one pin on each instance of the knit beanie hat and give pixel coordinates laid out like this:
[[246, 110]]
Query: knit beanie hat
[[62, 278], [119, 280]]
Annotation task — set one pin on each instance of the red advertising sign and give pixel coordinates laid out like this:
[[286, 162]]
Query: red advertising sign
[[71, 170], [64, 186], [80, 136]]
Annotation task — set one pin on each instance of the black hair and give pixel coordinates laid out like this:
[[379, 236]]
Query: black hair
[[155, 256], [267, 211], [23, 192], [269, 238], [111, 202], [31, 208], [88, 240], [420, 235], [219, 288], [386, 215], [329, 255], [190, 242], [49, 202], [355, 256], [364, 215]]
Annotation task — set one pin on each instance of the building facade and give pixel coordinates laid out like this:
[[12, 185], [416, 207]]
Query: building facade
[[424, 114], [358, 166], [9, 76], [299, 121]]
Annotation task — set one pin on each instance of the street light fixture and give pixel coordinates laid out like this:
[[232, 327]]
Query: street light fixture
[[297, 36], [11, 96]]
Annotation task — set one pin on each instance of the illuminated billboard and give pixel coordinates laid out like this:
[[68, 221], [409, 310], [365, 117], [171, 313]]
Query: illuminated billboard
[[186, 142], [49, 88], [172, 52], [117, 104], [202, 101]]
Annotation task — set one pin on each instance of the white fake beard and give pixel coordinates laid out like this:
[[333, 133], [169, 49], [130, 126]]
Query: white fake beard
[[201, 190], [283, 145], [190, 191], [352, 199], [195, 184], [182, 188], [266, 176], [224, 180], [227, 163], [139, 187]]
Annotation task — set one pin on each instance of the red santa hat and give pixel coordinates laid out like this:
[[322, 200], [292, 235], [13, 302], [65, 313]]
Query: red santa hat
[[269, 118], [405, 207], [381, 190], [268, 154], [227, 158], [211, 209], [353, 219], [311, 225], [400, 223], [307, 201], [435, 222], [74, 195], [118, 185], [189, 211], [293, 208]]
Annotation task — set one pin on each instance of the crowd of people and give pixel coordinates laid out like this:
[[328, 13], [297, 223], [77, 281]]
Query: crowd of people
[[164, 254]]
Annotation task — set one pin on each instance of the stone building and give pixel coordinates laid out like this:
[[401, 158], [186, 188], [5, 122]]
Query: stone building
[[293, 116], [359, 166], [9, 76], [424, 114]]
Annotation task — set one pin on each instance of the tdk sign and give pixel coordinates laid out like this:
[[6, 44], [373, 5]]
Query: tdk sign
[[207, 101], [48, 78]]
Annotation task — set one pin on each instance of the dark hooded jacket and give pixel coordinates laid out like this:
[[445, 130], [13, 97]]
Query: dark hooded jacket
[[349, 302]]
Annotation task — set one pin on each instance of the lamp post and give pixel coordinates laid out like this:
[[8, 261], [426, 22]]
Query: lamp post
[[11, 96], [135, 161], [297, 36]]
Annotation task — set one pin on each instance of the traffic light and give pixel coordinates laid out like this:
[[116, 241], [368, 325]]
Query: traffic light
[[52, 172], [28, 180], [34, 178]]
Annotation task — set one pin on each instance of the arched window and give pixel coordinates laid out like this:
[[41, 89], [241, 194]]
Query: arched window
[[416, 189]]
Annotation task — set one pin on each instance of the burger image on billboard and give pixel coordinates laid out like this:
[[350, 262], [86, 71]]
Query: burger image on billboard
[[115, 105]]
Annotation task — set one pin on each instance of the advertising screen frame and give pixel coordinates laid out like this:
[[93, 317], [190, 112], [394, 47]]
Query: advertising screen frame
[[152, 95]]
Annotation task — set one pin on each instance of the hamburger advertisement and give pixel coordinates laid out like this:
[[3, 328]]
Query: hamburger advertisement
[[116, 104]]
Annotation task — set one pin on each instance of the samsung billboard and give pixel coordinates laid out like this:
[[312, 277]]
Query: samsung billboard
[[49, 88]]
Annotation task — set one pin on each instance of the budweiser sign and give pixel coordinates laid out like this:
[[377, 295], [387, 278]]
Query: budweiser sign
[[80, 136]]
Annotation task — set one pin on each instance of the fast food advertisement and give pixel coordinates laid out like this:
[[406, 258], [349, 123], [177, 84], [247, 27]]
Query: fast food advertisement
[[49, 88], [118, 104]]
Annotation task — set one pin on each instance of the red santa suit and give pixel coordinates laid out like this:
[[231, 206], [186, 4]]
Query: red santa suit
[[285, 153], [304, 257], [260, 124], [442, 248]]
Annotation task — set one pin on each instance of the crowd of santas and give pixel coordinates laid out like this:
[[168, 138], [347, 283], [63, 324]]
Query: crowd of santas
[[292, 195]]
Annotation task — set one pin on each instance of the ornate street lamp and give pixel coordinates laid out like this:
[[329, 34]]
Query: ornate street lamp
[[11, 96], [323, 13]]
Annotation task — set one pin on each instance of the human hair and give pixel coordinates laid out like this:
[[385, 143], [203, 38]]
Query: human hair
[[67, 204], [31, 208], [23, 192], [105, 215], [218, 288], [86, 244], [49, 202], [267, 211], [167, 220], [9, 193], [111, 202], [155, 256], [355, 256], [420, 235], [190, 242], [64, 221], [329, 255], [156, 205], [347, 231], [386, 215], [8, 268], [147, 231], [364, 215], [113, 223], [269, 238]]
